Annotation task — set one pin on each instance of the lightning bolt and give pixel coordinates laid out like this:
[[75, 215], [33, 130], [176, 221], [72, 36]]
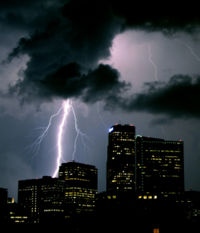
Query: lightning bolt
[[78, 133], [67, 106], [155, 78], [100, 116], [152, 63], [66, 109], [190, 49], [35, 146]]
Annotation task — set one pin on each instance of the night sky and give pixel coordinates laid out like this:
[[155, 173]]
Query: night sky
[[118, 63]]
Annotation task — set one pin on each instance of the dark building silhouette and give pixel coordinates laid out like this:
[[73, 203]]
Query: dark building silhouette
[[145, 191], [16, 213], [3, 196], [121, 159], [191, 203], [80, 187], [42, 199], [59, 199], [159, 168], [3, 205]]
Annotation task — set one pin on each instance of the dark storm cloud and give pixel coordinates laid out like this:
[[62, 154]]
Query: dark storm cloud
[[165, 17], [25, 15], [68, 38], [178, 98], [73, 35], [69, 82]]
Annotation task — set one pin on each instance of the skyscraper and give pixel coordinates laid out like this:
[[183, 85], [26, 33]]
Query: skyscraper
[[80, 187], [3, 204], [159, 168], [121, 159], [42, 199]]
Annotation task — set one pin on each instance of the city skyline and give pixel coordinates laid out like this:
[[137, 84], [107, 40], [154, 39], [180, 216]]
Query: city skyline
[[125, 157], [145, 177], [114, 66]]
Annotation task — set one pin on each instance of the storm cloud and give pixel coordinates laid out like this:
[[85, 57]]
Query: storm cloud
[[69, 82], [67, 39], [177, 98]]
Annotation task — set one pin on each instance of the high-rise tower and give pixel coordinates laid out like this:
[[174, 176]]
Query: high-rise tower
[[121, 159], [159, 167], [80, 187]]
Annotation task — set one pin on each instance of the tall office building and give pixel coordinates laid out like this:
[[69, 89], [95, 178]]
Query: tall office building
[[42, 199], [3, 205], [121, 159], [159, 168], [80, 187]]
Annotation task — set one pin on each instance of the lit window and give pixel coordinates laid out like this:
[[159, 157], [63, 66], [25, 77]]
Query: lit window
[[156, 230]]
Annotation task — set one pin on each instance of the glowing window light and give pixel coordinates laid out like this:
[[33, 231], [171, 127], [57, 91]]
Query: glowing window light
[[156, 230]]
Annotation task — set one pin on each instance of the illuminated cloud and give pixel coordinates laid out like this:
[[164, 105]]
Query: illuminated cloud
[[67, 39]]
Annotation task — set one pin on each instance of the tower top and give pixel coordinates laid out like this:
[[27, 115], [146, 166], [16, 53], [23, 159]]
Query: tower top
[[122, 128]]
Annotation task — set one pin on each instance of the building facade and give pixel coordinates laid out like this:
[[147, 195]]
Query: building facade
[[80, 187], [41, 199], [121, 159], [159, 168]]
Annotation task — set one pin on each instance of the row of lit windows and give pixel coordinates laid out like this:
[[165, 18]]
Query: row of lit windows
[[127, 181], [123, 132], [111, 197], [115, 150], [120, 153], [163, 175], [175, 166], [53, 210], [122, 179], [81, 189], [166, 156], [124, 188], [86, 205], [122, 138], [123, 174], [165, 159], [20, 221], [80, 171], [28, 188], [163, 142], [71, 173], [171, 151], [78, 194], [78, 179], [18, 217], [91, 191], [145, 197]]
